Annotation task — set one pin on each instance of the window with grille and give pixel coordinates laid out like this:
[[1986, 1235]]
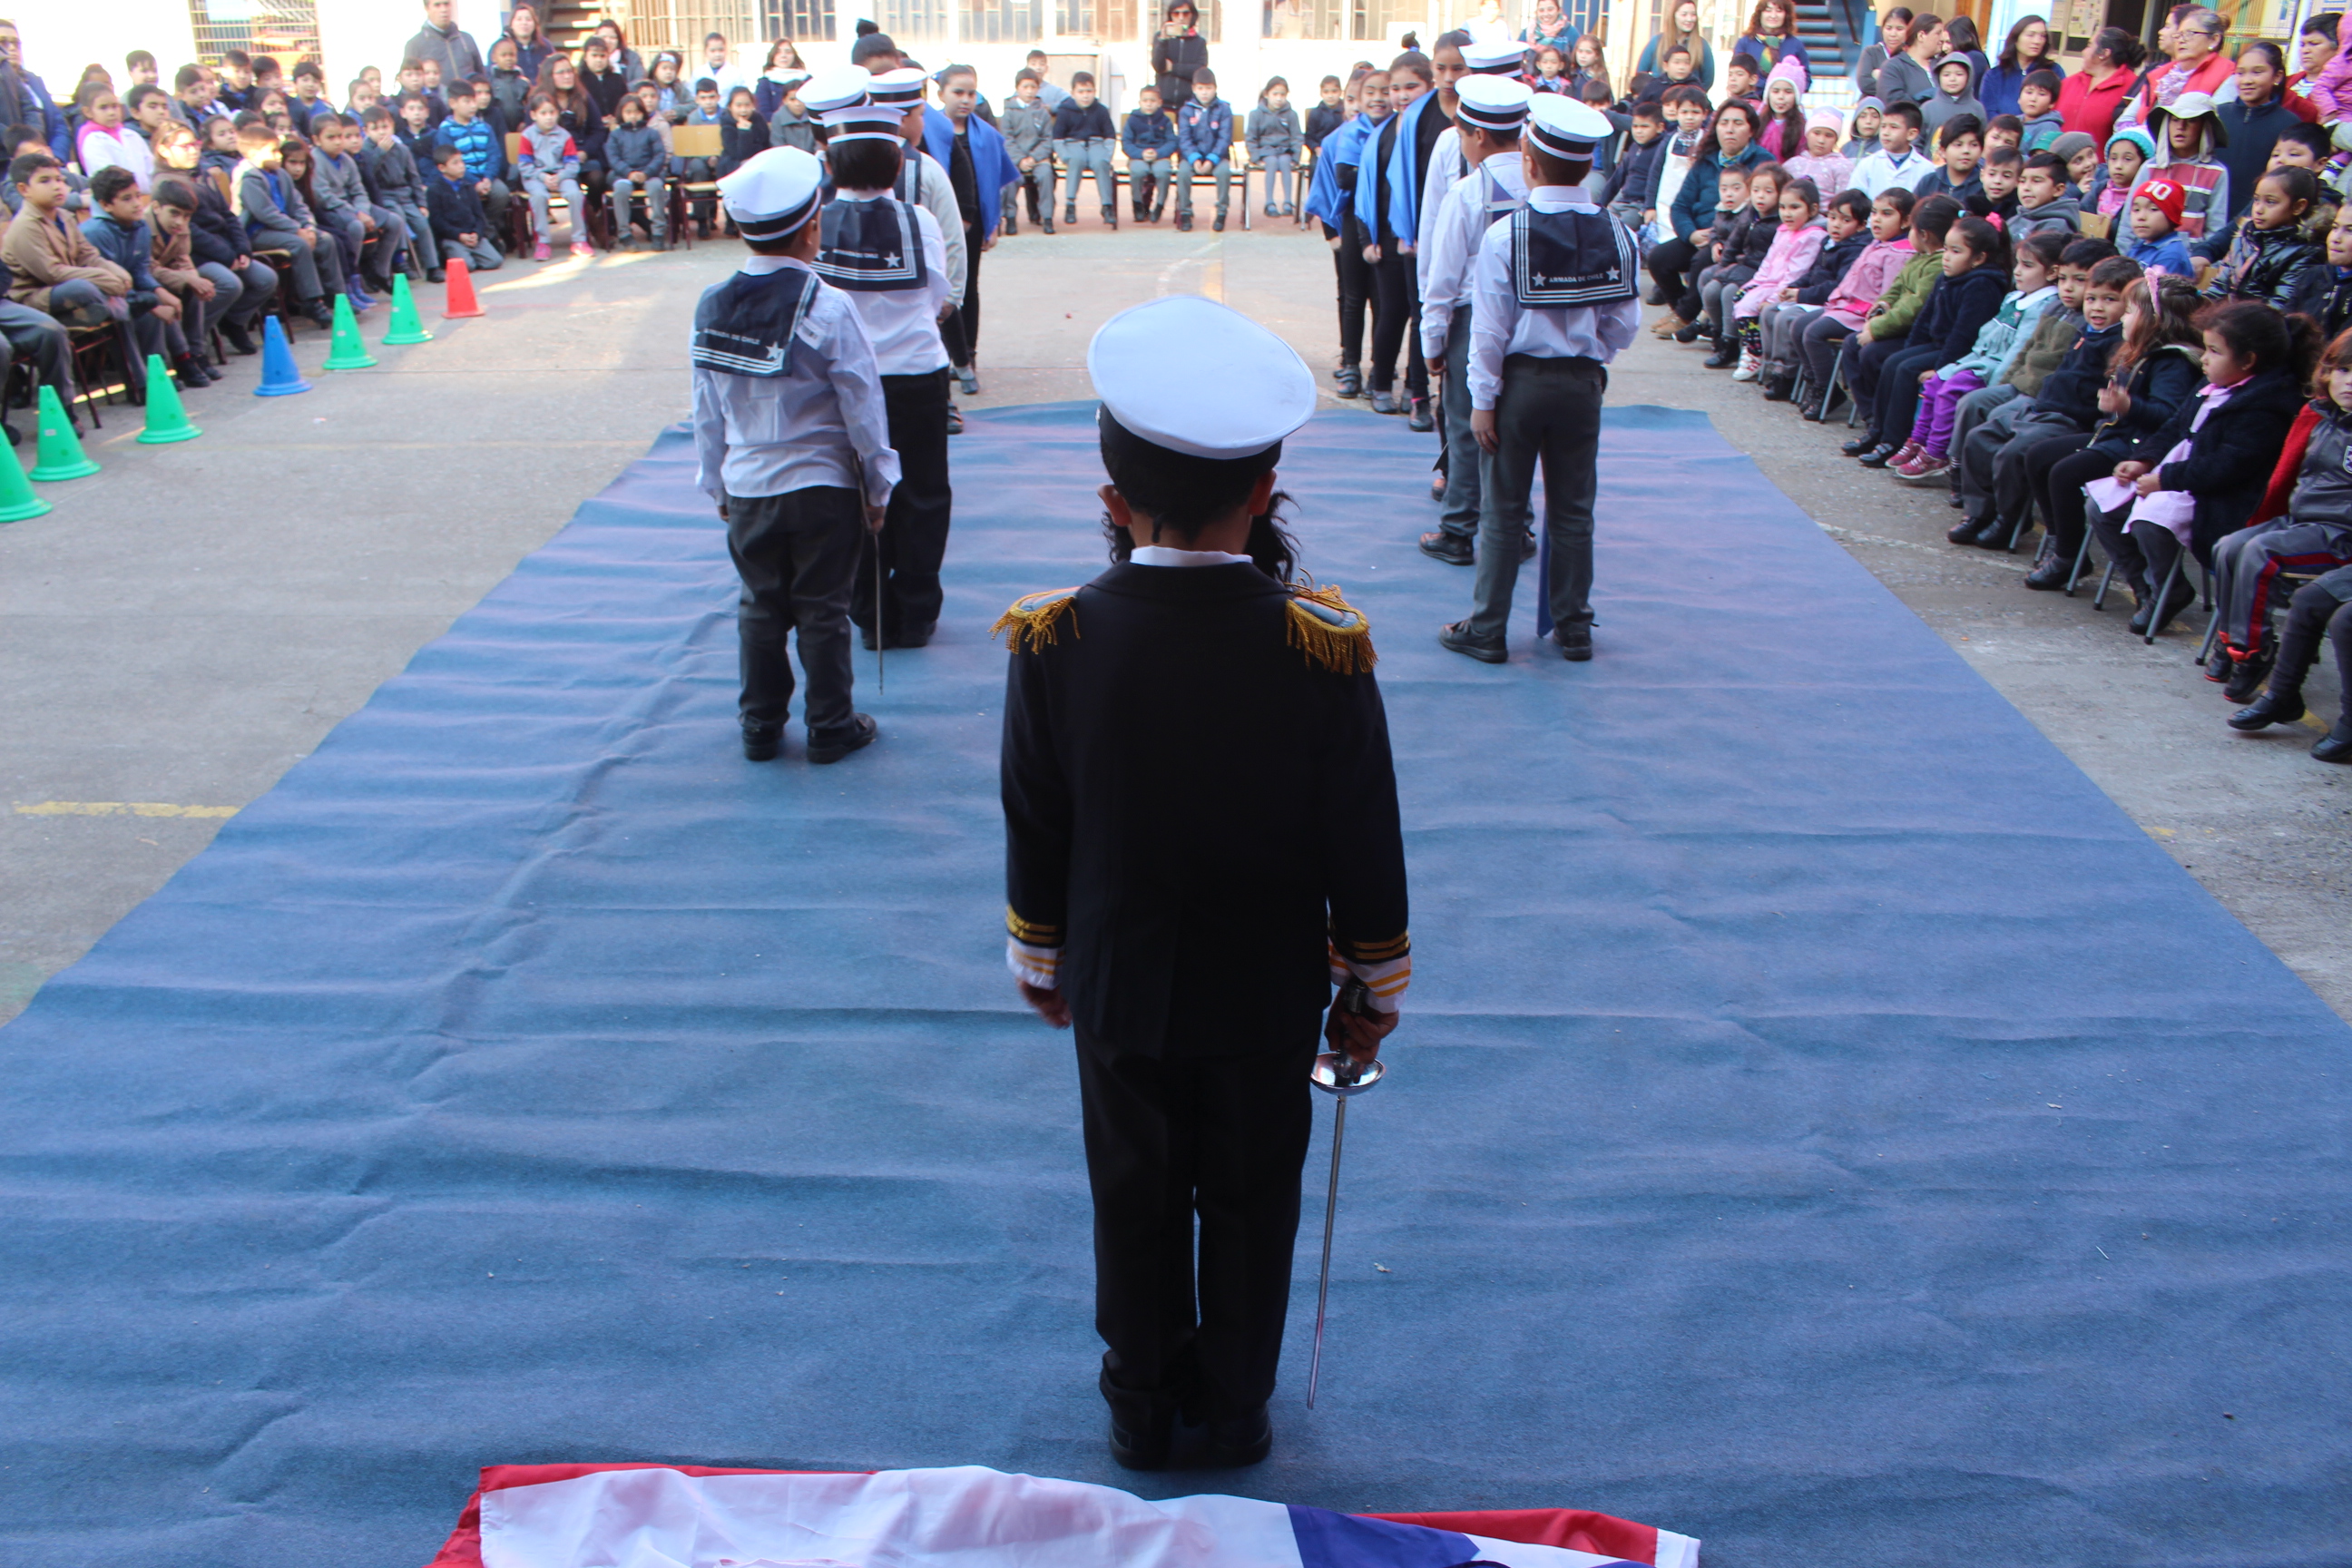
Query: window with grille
[[1004, 21], [287, 30], [798, 20], [905, 19]]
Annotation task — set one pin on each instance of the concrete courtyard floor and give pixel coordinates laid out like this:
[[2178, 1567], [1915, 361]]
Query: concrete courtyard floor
[[188, 624]]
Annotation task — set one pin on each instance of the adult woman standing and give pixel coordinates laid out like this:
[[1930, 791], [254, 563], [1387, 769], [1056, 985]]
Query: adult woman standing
[[2026, 50], [2090, 99], [1771, 37], [531, 47], [1730, 143], [1177, 53], [1961, 37], [784, 66], [1551, 26], [626, 60], [1681, 27], [2198, 65], [1893, 32]]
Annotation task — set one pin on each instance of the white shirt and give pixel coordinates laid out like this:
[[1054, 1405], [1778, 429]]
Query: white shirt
[[1500, 326], [729, 78], [768, 436], [936, 196], [1446, 164], [98, 147], [1169, 555], [1882, 172], [1461, 222], [903, 325]]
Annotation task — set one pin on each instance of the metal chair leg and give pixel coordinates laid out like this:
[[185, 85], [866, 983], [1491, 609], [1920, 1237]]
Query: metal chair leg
[[2082, 560], [2163, 594], [2099, 599]]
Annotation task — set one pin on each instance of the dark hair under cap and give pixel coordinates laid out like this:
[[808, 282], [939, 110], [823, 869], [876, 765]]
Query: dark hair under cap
[[1182, 494]]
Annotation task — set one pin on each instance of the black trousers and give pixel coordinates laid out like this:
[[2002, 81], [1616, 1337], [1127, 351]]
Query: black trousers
[[1896, 404], [796, 553], [1396, 323], [914, 537], [1671, 265], [1548, 414], [2055, 471], [1355, 276], [1221, 1137], [2319, 612], [961, 331]]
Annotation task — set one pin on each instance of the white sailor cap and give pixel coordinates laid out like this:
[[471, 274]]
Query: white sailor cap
[[1493, 58], [1494, 102], [902, 87], [1265, 394], [1565, 128], [773, 193], [843, 86]]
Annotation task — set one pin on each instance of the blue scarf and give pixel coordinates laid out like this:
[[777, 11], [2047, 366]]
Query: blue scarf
[[1572, 258], [745, 326], [870, 247]]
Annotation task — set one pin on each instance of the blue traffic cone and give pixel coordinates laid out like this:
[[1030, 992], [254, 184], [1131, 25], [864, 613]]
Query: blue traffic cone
[[280, 376]]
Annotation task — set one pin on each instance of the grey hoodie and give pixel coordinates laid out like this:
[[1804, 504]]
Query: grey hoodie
[[1941, 106], [1027, 129], [2065, 214]]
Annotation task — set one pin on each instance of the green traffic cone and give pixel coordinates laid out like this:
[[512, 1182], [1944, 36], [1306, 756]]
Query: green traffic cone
[[347, 352], [60, 452], [166, 420], [17, 500], [405, 326]]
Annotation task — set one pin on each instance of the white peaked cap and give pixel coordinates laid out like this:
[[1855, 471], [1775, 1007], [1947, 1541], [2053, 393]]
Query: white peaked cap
[[903, 86], [773, 193], [1494, 102], [1488, 58], [1566, 129], [843, 86], [1263, 392]]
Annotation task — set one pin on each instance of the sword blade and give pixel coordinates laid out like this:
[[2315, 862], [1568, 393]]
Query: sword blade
[[1330, 1213]]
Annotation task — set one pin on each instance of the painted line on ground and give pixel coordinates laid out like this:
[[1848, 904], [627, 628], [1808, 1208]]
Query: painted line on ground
[[122, 808]]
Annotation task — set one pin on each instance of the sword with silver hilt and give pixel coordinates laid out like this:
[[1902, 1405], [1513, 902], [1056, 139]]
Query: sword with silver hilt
[[1342, 1077]]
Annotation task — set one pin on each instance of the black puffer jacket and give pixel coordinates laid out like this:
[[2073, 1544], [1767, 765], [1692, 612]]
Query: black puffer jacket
[[1837, 258], [2266, 264], [1956, 308]]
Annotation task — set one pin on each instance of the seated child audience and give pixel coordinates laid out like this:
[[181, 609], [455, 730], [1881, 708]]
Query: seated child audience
[[1974, 266], [1848, 233], [2153, 238], [2279, 242], [2033, 272], [1797, 241]]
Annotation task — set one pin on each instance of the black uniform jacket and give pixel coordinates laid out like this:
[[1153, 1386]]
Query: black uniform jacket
[[1198, 796]]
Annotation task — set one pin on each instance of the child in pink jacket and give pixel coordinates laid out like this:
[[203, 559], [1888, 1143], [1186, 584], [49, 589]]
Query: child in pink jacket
[[1791, 256], [1890, 251]]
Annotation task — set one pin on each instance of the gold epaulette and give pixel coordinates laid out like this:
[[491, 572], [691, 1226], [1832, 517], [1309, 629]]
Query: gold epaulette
[[1331, 631], [1035, 619]]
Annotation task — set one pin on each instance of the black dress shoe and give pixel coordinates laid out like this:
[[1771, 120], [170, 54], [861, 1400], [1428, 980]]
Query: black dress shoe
[[2050, 571], [1419, 418], [1527, 545], [1878, 457], [1965, 530], [1574, 642], [1780, 389], [2335, 746], [762, 741], [1141, 1449], [1457, 637], [834, 745], [1240, 1441], [1812, 414], [240, 340], [1450, 548], [2269, 707], [2182, 597], [1860, 444], [912, 637], [1219, 225]]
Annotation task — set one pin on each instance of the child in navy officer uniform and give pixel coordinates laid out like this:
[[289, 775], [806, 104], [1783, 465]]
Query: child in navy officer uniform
[[1554, 297], [794, 446]]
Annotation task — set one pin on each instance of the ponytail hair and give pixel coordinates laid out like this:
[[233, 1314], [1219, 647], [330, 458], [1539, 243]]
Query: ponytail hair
[[2256, 332]]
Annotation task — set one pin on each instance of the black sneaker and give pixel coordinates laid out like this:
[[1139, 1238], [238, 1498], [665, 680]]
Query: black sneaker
[[762, 741], [1450, 548], [1457, 639], [1421, 419], [2246, 679], [833, 746], [1183, 223], [1219, 225], [1350, 379]]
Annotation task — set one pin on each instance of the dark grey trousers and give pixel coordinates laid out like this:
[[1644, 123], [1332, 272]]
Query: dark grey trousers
[[797, 555], [1460, 517], [1549, 413]]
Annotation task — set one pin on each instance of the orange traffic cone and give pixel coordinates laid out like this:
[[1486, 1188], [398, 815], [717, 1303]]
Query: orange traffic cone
[[457, 299]]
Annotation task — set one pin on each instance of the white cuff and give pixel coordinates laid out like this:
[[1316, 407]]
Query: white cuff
[[1037, 966], [1386, 982]]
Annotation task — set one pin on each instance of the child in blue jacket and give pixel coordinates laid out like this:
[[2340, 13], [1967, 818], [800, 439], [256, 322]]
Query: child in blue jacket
[[1204, 141], [1148, 137]]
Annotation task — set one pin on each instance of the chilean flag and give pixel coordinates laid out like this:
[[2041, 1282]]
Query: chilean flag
[[683, 1516]]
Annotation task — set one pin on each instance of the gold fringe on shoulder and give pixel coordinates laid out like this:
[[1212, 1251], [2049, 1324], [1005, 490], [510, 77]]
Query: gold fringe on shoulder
[[1331, 631], [1035, 619]]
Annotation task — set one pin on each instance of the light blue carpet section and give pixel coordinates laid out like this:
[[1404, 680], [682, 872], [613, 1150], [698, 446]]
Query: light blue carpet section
[[1824, 1124]]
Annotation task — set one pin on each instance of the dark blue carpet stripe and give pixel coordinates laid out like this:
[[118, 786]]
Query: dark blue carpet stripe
[[1825, 1125]]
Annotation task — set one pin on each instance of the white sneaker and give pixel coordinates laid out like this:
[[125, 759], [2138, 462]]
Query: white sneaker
[[1748, 363]]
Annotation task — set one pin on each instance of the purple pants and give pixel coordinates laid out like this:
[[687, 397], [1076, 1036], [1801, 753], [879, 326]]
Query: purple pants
[[1940, 407]]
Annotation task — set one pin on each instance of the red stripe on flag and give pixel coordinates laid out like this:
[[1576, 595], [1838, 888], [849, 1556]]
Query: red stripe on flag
[[1576, 1529]]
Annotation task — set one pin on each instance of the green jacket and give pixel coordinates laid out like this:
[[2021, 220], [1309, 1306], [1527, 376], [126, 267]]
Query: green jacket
[[2056, 333], [1905, 295]]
